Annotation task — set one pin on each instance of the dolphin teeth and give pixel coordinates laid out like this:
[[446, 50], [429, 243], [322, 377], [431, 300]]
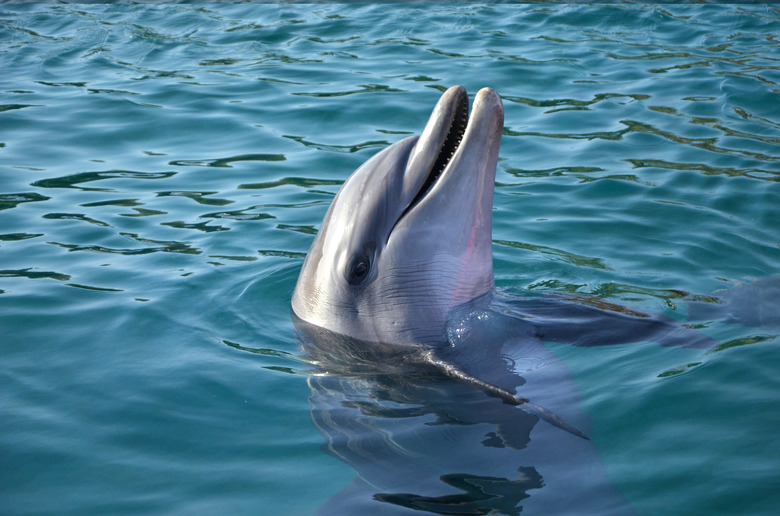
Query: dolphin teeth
[[451, 141], [455, 133]]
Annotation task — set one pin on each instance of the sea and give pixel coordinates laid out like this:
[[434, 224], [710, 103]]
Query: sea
[[164, 169]]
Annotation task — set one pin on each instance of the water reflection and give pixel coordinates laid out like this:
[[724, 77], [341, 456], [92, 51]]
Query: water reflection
[[8, 201], [169, 246], [226, 162], [421, 442], [74, 180]]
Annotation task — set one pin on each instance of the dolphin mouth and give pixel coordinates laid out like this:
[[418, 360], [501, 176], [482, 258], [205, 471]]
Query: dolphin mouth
[[451, 143], [458, 111]]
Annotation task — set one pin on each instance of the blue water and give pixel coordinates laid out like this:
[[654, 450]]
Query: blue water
[[163, 170]]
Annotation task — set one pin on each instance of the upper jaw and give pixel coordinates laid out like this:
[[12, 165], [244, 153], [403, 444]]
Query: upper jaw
[[435, 146], [444, 239], [453, 140], [481, 137]]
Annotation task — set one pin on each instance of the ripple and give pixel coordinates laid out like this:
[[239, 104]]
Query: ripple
[[747, 115], [144, 212], [557, 254], [8, 201], [75, 216], [73, 180], [580, 172], [234, 258], [639, 127], [573, 103], [597, 135], [200, 226], [113, 202], [371, 144], [708, 170], [225, 162], [679, 370], [94, 289], [744, 341], [306, 230], [283, 254], [244, 214], [199, 197], [63, 84], [302, 182], [108, 91], [10, 107], [15, 237], [364, 88], [266, 352], [161, 246], [33, 274]]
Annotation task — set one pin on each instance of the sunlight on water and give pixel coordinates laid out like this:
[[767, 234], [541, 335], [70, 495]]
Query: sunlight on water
[[163, 170]]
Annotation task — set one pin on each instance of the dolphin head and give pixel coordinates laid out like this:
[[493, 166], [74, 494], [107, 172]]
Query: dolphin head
[[408, 236]]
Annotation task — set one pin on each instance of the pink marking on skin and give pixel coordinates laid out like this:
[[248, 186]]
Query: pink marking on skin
[[463, 288]]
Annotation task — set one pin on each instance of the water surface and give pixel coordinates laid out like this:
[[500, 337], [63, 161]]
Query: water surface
[[163, 170]]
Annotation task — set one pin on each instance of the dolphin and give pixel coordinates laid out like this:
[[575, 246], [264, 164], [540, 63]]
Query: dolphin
[[396, 308]]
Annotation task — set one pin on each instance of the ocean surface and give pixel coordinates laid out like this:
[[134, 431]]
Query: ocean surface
[[163, 170]]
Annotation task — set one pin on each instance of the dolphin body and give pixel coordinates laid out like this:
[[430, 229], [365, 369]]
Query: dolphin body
[[396, 309]]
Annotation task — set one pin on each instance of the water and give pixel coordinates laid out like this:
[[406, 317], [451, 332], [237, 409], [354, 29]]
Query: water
[[163, 170]]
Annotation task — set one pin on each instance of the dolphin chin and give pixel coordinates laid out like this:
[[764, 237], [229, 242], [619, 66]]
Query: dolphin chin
[[408, 236]]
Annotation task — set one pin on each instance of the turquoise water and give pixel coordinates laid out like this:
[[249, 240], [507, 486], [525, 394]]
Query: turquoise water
[[163, 170]]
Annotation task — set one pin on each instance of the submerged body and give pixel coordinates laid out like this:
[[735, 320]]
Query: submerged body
[[395, 307], [419, 441]]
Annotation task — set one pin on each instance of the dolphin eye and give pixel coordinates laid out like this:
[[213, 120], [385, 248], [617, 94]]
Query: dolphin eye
[[358, 270]]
